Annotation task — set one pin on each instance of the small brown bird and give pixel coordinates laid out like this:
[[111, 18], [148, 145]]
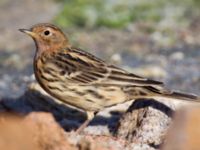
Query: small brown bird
[[80, 79]]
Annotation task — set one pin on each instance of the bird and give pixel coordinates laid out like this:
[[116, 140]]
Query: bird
[[80, 79]]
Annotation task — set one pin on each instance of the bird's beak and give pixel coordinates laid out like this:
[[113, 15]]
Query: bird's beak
[[29, 32]]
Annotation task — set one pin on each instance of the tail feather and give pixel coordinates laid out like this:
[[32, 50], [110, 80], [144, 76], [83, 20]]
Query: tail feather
[[183, 96], [173, 94]]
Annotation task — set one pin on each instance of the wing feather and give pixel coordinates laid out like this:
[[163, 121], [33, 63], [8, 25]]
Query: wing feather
[[92, 70]]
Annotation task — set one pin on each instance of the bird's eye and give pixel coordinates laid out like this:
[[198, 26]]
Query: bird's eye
[[46, 32]]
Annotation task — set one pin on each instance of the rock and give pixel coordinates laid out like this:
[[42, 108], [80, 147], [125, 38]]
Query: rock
[[36, 131], [39, 131], [147, 121], [89, 142], [177, 56], [143, 126], [185, 132]]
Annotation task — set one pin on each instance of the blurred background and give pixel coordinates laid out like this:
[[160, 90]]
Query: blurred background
[[158, 39]]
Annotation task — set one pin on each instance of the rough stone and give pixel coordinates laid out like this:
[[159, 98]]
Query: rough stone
[[147, 121], [36, 131]]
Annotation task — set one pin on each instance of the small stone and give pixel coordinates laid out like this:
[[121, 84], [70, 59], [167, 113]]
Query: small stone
[[177, 56], [116, 58], [151, 71]]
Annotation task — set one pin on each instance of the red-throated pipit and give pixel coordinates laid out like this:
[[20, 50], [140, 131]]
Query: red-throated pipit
[[80, 79]]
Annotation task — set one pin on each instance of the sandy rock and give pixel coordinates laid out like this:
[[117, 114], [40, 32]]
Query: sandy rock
[[36, 131], [184, 134]]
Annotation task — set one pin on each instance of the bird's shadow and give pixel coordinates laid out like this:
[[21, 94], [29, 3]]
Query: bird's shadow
[[70, 118], [144, 103]]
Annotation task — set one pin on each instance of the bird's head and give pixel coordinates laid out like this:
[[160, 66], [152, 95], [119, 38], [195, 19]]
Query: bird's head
[[47, 37]]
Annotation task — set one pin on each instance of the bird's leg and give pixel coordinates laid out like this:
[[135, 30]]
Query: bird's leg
[[90, 116]]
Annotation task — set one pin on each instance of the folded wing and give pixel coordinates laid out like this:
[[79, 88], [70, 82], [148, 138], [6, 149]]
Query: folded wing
[[84, 68]]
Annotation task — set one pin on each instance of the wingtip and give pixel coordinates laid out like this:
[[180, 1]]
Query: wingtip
[[184, 96], [155, 82]]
